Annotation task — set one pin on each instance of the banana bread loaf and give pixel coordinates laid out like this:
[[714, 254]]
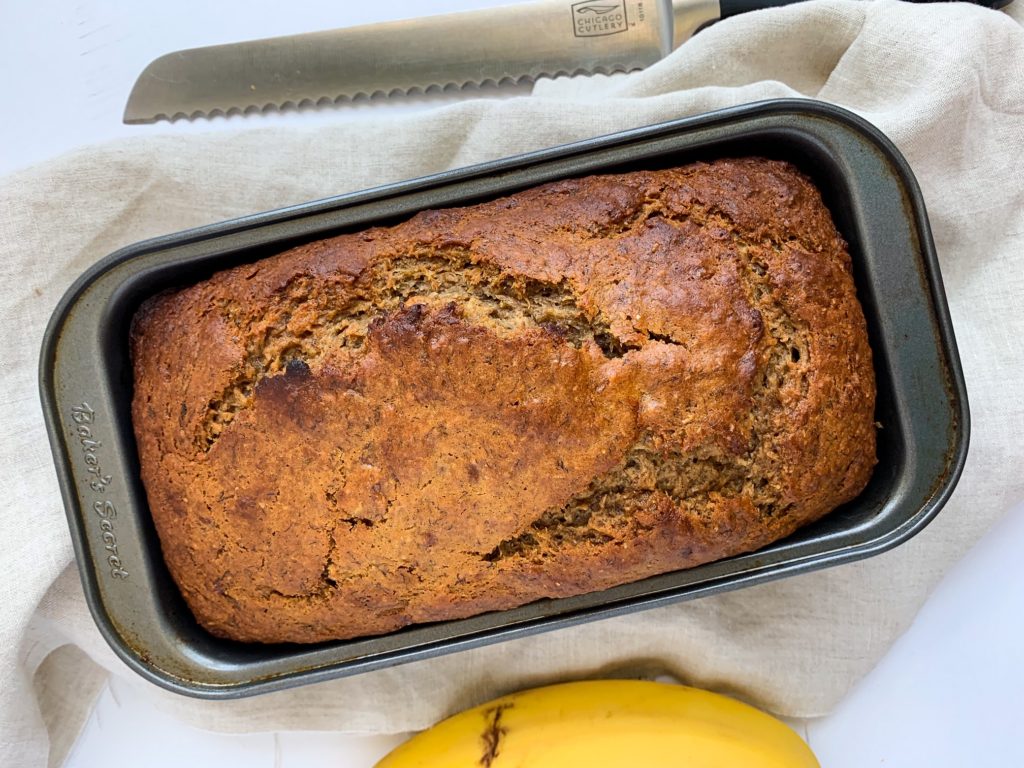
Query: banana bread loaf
[[577, 386]]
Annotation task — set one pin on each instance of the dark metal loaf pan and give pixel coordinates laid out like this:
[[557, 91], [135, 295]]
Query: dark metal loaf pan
[[922, 406]]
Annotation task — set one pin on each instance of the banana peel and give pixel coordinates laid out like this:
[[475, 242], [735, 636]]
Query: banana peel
[[607, 723]]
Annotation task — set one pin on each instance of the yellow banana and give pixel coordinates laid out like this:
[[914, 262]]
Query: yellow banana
[[621, 723]]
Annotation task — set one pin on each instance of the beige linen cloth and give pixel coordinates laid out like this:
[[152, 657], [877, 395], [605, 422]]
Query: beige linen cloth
[[944, 81]]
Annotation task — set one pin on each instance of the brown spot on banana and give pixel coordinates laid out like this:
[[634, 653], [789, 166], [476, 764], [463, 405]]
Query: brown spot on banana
[[493, 732]]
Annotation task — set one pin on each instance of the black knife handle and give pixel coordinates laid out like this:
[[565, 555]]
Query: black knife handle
[[736, 7]]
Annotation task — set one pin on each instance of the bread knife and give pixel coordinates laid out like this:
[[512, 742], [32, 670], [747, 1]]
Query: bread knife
[[507, 44]]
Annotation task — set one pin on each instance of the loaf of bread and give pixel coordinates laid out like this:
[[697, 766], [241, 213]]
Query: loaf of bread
[[573, 387]]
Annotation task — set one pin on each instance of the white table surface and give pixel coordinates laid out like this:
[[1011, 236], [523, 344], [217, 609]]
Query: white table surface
[[948, 694]]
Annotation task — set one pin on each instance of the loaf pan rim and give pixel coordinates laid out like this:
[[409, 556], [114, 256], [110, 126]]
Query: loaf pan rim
[[893, 538]]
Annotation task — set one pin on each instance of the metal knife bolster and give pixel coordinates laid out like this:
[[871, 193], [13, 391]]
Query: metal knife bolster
[[509, 43]]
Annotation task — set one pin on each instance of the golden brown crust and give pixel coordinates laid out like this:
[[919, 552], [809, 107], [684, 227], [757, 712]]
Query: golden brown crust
[[574, 387]]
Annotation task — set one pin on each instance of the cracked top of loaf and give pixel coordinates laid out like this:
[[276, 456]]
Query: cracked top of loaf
[[577, 386]]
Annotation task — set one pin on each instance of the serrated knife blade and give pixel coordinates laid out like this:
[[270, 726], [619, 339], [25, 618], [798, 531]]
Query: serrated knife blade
[[510, 43]]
